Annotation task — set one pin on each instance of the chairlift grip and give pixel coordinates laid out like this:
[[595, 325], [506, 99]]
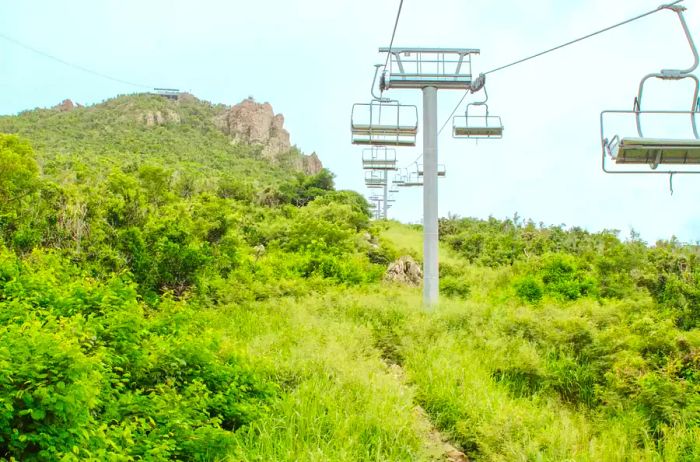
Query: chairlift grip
[[478, 83], [374, 82]]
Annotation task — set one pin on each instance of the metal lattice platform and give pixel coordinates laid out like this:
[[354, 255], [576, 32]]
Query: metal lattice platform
[[448, 68]]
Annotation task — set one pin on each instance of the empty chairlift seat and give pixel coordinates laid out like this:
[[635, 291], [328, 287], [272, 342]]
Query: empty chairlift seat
[[654, 151], [411, 179], [379, 158], [625, 140], [625, 135], [477, 126], [374, 179], [384, 123]]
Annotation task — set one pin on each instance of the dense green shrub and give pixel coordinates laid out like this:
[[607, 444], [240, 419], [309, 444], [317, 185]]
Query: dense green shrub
[[86, 368], [529, 289], [455, 287]]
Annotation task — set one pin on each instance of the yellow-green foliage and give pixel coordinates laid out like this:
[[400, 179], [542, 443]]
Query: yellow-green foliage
[[162, 299]]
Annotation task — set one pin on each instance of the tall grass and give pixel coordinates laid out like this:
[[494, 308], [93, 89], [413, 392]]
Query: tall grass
[[339, 400]]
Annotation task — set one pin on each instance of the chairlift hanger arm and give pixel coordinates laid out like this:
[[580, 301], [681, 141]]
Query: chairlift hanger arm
[[693, 107], [672, 73]]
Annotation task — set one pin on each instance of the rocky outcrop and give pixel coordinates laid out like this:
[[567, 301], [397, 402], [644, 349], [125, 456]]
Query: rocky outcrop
[[153, 118], [311, 164], [405, 271], [256, 123], [65, 106]]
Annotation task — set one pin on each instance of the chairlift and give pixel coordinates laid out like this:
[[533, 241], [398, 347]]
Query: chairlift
[[379, 158], [383, 122], [411, 179], [375, 179], [441, 170], [655, 151], [477, 126]]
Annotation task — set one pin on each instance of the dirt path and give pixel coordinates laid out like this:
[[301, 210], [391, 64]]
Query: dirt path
[[436, 444]]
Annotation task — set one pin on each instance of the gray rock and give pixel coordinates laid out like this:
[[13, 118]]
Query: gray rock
[[406, 271]]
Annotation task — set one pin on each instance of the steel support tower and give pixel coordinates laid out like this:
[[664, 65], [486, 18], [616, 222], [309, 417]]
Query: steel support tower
[[429, 69]]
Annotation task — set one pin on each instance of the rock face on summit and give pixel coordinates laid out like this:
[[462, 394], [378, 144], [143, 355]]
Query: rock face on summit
[[65, 106], [256, 123]]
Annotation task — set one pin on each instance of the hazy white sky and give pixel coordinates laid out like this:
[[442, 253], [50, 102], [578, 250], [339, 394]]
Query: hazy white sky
[[312, 59]]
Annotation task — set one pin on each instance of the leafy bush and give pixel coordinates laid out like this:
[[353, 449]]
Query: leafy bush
[[529, 289], [455, 287]]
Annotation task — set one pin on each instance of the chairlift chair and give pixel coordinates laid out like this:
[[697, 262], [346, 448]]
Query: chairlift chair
[[375, 179], [477, 126], [400, 177], [411, 179], [640, 149], [379, 158], [384, 122]]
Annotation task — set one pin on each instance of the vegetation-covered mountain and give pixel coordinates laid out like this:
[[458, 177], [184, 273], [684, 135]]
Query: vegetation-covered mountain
[[170, 291]]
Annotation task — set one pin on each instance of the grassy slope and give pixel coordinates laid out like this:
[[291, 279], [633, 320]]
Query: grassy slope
[[410, 239], [338, 398], [473, 365], [454, 356], [345, 404]]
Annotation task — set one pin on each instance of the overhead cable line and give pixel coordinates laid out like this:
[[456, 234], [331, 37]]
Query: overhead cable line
[[393, 34], [381, 91], [558, 47], [415, 161], [70, 64]]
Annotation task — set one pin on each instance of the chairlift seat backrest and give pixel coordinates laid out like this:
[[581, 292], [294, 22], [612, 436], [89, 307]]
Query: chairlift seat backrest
[[374, 179], [379, 158], [384, 123]]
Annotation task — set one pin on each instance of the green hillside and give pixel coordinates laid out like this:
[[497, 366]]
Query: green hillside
[[168, 295], [116, 134]]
